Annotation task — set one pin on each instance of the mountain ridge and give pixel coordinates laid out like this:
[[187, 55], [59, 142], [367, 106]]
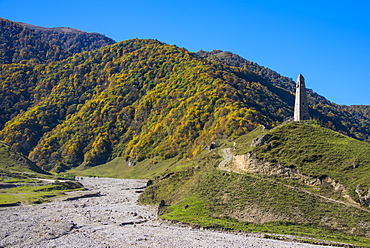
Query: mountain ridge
[[26, 42], [353, 121], [58, 29]]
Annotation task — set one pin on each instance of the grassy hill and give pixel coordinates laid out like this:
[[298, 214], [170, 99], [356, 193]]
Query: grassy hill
[[21, 180], [202, 194], [14, 162], [320, 152]]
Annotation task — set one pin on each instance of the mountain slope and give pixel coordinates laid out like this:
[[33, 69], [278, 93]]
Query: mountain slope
[[320, 153], [13, 162], [137, 99], [344, 119], [362, 114], [20, 41], [279, 189]]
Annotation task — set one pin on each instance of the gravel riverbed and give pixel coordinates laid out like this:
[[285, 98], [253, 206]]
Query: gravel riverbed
[[112, 219]]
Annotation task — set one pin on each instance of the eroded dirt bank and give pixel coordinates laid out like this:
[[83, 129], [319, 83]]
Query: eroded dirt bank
[[110, 220]]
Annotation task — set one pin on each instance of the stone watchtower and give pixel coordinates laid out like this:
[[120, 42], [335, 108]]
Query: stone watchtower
[[301, 106]]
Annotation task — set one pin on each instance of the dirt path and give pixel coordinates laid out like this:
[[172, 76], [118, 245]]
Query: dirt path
[[227, 155], [327, 198], [111, 220]]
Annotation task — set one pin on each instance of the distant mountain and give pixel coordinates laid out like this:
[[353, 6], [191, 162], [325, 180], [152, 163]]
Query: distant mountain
[[21, 42]]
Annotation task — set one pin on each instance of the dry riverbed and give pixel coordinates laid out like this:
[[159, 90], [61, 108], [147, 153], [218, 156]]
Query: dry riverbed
[[110, 219]]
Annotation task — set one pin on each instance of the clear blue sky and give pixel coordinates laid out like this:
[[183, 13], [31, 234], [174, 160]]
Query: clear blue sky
[[327, 41]]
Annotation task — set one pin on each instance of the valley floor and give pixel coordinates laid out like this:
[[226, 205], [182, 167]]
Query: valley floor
[[112, 219]]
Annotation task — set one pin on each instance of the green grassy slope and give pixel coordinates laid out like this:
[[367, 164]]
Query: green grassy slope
[[11, 161], [319, 152], [119, 168], [30, 194], [202, 194], [20, 176]]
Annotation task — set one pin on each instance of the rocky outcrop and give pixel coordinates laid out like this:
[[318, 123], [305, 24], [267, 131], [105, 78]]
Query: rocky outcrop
[[249, 163], [260, 140], [131, 162], [364, 196]]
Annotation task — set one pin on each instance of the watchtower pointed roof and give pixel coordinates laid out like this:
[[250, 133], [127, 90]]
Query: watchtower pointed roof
[[300, 79]]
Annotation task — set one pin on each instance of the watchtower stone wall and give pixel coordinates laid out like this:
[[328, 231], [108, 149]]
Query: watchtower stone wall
[[301, 111]]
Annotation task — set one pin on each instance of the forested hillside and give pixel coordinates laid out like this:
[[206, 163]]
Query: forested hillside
[[135, 99], [353, 121], [20, 42], [360, 112]]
